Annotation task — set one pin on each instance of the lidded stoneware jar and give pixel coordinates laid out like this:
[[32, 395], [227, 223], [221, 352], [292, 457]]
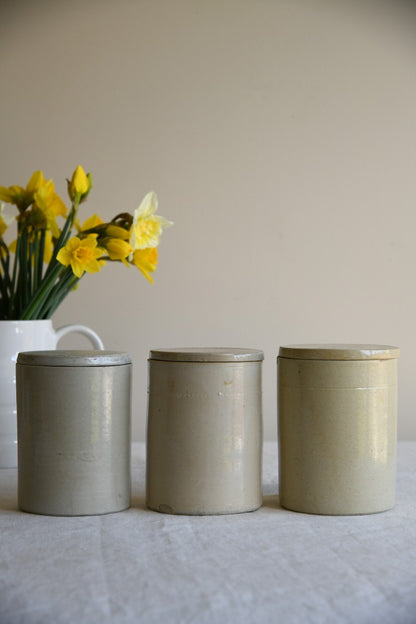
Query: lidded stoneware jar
[[73, 418], [337, 428], [204, 431]]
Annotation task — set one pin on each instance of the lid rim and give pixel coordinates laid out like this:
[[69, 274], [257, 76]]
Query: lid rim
[[73, 358], [339, 352], [206, 355]]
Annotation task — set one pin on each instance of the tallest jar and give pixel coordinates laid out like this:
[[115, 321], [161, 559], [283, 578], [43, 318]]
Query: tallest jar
[[337, 428]]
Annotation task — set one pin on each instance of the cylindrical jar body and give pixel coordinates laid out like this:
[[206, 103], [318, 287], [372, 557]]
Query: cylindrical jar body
[[337, 429], [204, 433], [73, 411]]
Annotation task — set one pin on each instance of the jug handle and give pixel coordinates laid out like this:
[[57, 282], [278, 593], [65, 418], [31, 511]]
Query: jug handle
[[80, 329]]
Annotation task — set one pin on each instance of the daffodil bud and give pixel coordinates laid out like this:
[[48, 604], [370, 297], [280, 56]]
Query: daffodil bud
[[115, 231], [80, 185], [117, 248]]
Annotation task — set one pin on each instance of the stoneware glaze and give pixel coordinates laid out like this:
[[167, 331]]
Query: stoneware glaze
[[16, 336], [73, 413], [204, 432], [337, 428]]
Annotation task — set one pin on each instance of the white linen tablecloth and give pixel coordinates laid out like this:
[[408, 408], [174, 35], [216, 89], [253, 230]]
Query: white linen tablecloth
[[270, 565]]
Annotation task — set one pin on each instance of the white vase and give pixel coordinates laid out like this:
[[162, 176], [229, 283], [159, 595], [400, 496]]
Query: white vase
[[17, 336]]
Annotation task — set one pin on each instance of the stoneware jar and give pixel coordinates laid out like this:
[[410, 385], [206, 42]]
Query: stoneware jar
[[204, 431], [73, 416], [337, 428]]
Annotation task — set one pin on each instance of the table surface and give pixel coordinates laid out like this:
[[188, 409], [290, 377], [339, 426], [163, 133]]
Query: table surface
[[270, 565]]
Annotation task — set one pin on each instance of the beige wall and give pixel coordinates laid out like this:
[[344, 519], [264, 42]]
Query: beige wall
[[280, 137]]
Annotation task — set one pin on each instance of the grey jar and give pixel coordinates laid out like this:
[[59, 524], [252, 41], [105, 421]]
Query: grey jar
[[204, 431], [73, 411], [337, 428]]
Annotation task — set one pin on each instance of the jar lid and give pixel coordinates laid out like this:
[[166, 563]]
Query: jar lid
[[217, 354], [73, 358], [339, 352]]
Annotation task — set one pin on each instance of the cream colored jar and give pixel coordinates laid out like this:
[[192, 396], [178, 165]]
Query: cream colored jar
[[337, 428], [73, 418], [204, 431]]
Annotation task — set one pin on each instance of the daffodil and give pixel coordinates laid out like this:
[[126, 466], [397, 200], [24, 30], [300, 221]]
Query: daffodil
[[12, 194], [89, 224], [147, 227], [80, 185], [50, 258], [50, 204], [23, 197], [82, 255], [146, 261]]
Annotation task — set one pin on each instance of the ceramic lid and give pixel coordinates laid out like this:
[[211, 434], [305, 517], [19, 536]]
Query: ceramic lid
[[218, 354], [73, 358], [339, 352]]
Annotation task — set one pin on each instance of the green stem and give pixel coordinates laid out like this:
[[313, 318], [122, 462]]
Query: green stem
[[30, 265], [64, 236], [41, 255], [31, 311], [35, 248], [4, 279], [4, 256], [22, 282], [11, 314], [61, 289], [59, 300]]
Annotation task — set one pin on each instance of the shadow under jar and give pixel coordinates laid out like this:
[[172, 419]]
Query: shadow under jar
[[337, 428], [204, 431]]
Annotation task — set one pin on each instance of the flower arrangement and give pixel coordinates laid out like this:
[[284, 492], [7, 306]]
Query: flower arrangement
[[46, 262]]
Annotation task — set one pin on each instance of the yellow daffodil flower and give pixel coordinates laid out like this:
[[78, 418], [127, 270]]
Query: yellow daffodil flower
[[37, 179], [146, 261], [147, 227], [11, 194], [82, 255], [31, 290], [51, 205], [89, 224], [23, 197], [80, 185]]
